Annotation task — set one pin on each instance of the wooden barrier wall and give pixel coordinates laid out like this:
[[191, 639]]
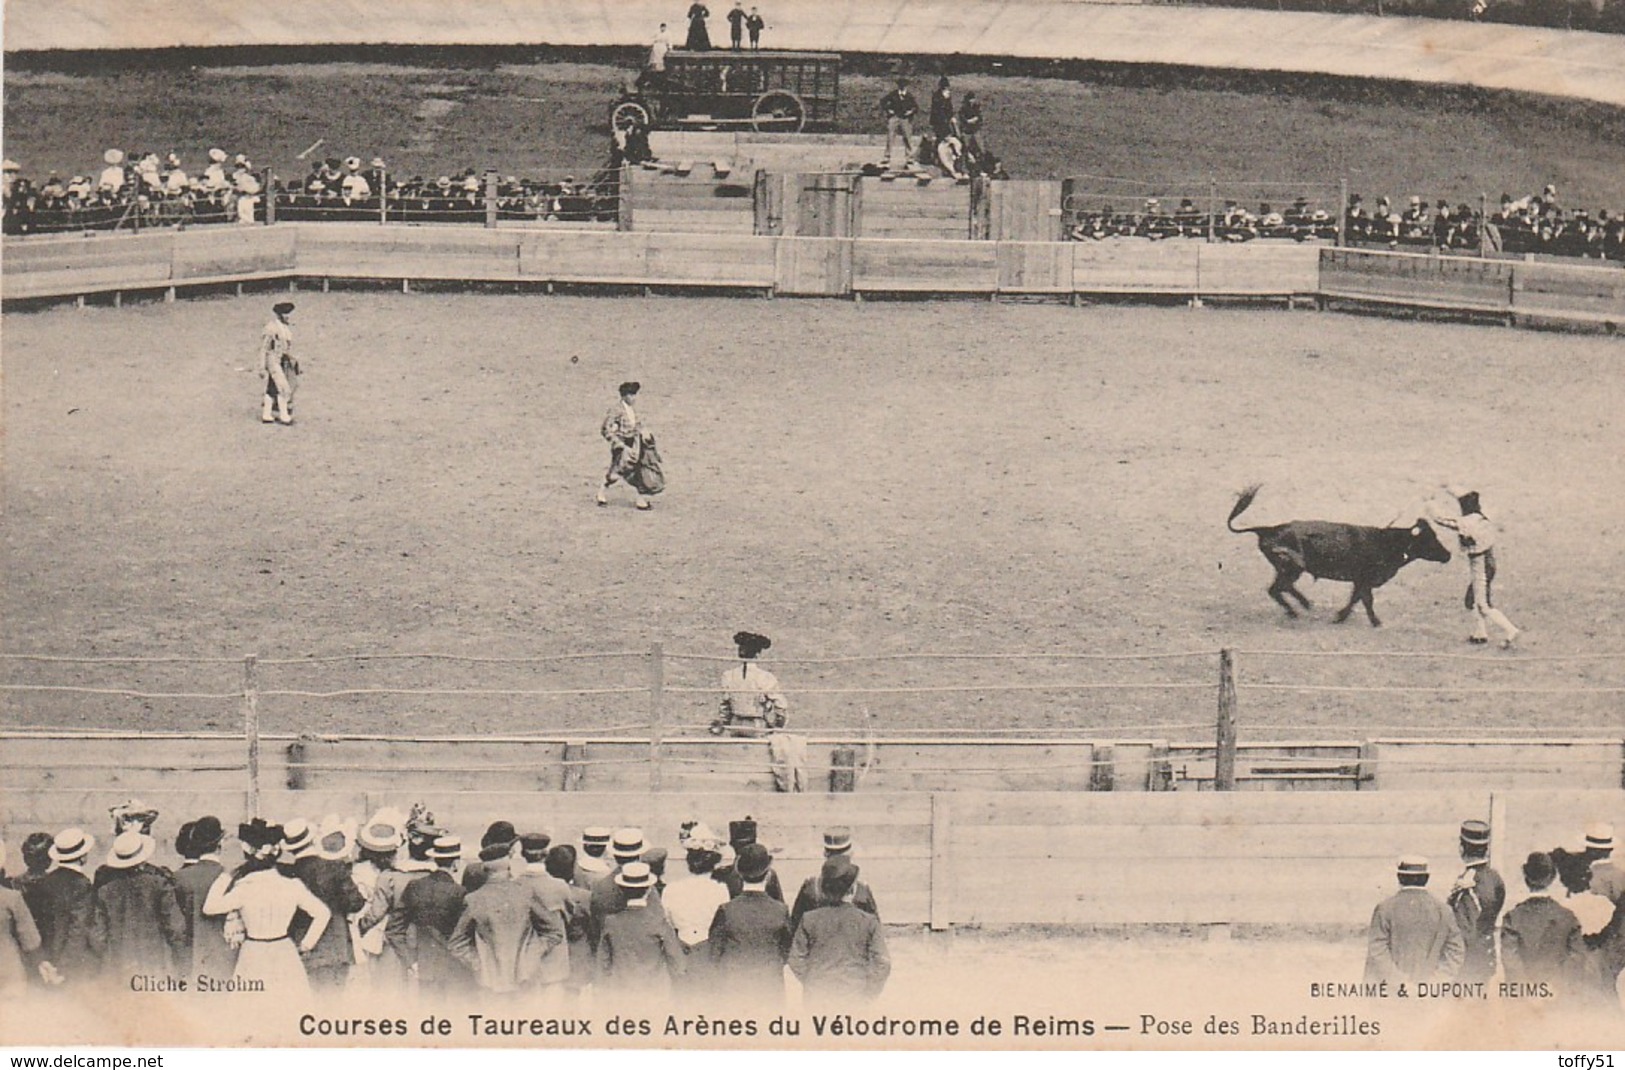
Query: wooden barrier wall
[[972, 857], [904, 208], [88, 264], [807, 266], [696, 203], [1556, 291], [1426, 281]]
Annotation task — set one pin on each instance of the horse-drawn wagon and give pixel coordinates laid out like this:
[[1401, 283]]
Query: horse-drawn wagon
[[768, 91]]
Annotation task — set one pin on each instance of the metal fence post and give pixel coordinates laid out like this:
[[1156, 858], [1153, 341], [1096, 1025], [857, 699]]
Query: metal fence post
[[251, 730], [657, 694], [490, 200], [268, 187], [383, 195], [1224, 765]]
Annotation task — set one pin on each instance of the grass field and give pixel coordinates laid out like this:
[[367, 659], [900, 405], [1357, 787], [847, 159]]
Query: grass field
[[850, 479], [432, 112]]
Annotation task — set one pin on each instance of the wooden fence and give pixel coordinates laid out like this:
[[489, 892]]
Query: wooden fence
[[834, 265], [973, 857]]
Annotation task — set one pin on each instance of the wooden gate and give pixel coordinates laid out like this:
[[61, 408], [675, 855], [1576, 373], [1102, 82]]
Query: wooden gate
[[807, 205]]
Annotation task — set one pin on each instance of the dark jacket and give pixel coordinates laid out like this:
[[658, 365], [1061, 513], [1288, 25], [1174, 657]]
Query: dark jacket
[[639, 953], [209, 954], [1477, 910], [736, 884], [146, 932], [607, 899], [72, 924], [811, 897], [1541, 941], [840, 955], [328, 880], [748, 943], [432, 906]]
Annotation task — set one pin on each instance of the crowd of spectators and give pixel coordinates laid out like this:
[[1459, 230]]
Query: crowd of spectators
[[1533, 224], [395, 904], [140, 190], [135, 189]]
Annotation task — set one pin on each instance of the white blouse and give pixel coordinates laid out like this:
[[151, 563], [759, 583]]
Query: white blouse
[[267, 902]]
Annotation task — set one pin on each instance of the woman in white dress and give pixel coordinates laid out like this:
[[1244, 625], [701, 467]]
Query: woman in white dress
[[266, 901]]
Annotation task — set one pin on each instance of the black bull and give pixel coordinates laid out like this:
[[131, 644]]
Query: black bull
[[1367, 557]]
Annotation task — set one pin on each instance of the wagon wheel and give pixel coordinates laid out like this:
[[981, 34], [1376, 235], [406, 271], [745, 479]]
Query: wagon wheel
[[624, 114], [779, 110]]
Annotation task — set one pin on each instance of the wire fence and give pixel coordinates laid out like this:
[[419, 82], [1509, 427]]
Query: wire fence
[[674, 696]]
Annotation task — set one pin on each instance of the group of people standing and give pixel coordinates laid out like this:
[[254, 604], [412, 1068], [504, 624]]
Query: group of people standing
[[1564, 941], [740, 23], [955, 142], [391, 905]]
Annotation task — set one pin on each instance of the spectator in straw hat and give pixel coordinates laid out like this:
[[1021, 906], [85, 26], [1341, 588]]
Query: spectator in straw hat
[[432, 907], [1413, 936], [626, 847], [146, 931], [638, 953], [72, 921], [591, 863], [1607, 880], [19, 938], [329, 879], [507, 931], [199, 844], [1476, 900], [749, 937], [380, 841], [837, 843], [112, 176], [839, 952], [1541, 938]]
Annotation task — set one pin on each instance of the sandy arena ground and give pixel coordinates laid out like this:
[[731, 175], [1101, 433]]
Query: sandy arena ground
[[850, 479]]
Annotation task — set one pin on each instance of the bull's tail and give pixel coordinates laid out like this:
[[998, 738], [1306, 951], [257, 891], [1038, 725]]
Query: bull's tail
[[1243, 500]]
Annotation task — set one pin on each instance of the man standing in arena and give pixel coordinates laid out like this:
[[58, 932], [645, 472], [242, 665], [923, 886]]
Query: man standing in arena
[[279, 365], [1478, 536], [625, 437]]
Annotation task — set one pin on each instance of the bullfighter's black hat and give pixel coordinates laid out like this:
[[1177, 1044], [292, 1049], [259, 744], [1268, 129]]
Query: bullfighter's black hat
[[630, 388], [750, 644]]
